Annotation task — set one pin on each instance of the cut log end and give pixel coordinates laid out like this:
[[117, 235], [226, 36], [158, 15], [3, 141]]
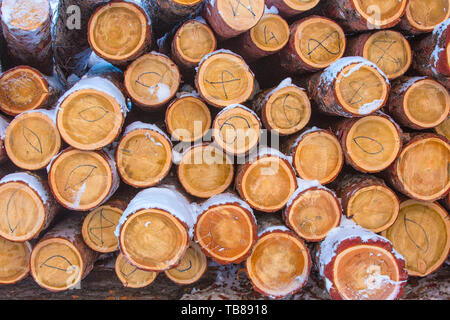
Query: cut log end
[[192, 267], [226, 233], [287, 110], [22, 89], [144, 157], [14, 259], [236, 130], [374, 207], [319, 42], [361, 89], [81, 180], [444, 129], [119, 31], [421, 235], [267, 183], [99, 226], [224, 79], [153, 240], [89, 119], [152, 80], [380, 14], [425, 15], [422, 169], [426, 103], [56, 264], [240, 16], [390, 51], [132, 277], [313, 213], [270, 34], [188, 119], [279, 264], [193, 32], [205, 171], [361, 273], [25, 223], [318, 156], [372, 143], [32, 140], [289, 8]]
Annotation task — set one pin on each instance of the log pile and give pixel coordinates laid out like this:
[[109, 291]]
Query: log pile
[[144, 134]]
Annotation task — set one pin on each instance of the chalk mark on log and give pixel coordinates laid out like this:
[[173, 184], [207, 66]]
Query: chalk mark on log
[[223, 82], [356, 92], [69, 186], [273, 37], [38, 146], [225, 123], [11, 229], [405, 224], [82, 116], [356, 139], [287, 106], [385, 55], [235, 10], [321, 44], [101, 228], [126, 275], [44, 264], [185, 269]]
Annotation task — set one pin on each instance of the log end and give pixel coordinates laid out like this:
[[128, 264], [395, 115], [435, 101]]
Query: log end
[[132, 277], [14, 259], [380, 14], [239, 17], [425, 15], [25, 15], [191, 268], [270, 34], [444, 128]]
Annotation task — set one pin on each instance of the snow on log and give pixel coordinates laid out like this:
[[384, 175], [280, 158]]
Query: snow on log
[[4, 123]]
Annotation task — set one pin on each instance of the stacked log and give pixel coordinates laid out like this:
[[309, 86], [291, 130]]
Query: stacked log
[[192, 267], [419, 102], [280, 262], [289, 8], [421, 235], [32, 139], [143, 155], [226, 229], [24, 88], [444, 128], [14, 258], [315, 43], [61, 259], [423, 16], [130, 276], [27, 207], [4, 123], [357, 264], [316, 155], [26, 26]]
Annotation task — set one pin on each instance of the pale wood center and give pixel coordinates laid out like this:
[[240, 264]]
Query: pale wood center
[[226, 232], [373, 143], [444, 128], [240, 15], [21, 211], [374, 208], [423, 168], [427, 14], [195, 32], [132, 277], [421, 236], [301, 5], [14, 260], [318, 156], [380, 12], [366, 272], [271, 33], [192, 266]]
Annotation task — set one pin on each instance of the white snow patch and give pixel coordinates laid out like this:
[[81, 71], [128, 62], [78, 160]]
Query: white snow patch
[[33, 182]]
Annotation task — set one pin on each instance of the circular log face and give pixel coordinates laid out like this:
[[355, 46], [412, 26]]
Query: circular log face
[[301, 5], [271, 33], [99, 226], [390, 51], [14, 259], [205, 171], [152, 80], [224, 79], [361, 89], [22, 89], [288, 110], [89, 119], [187, 2], [198, 33], [268, 183], [32, 140], [144, 157], [444, 128], [240, 15], [425, 15], [80, 180], [313, 214], [132, 277], [421, 235], [236, 130], [24, 14], [373, 143], [318, 156], [366, 272], [422, 167], [153, 240], [226, 233], [191, 267], [374, 208], [380, 13], [188, 119], [22, 211], [118, 31], [278, 265], [426, 103], [56, 264], [319, 42]]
